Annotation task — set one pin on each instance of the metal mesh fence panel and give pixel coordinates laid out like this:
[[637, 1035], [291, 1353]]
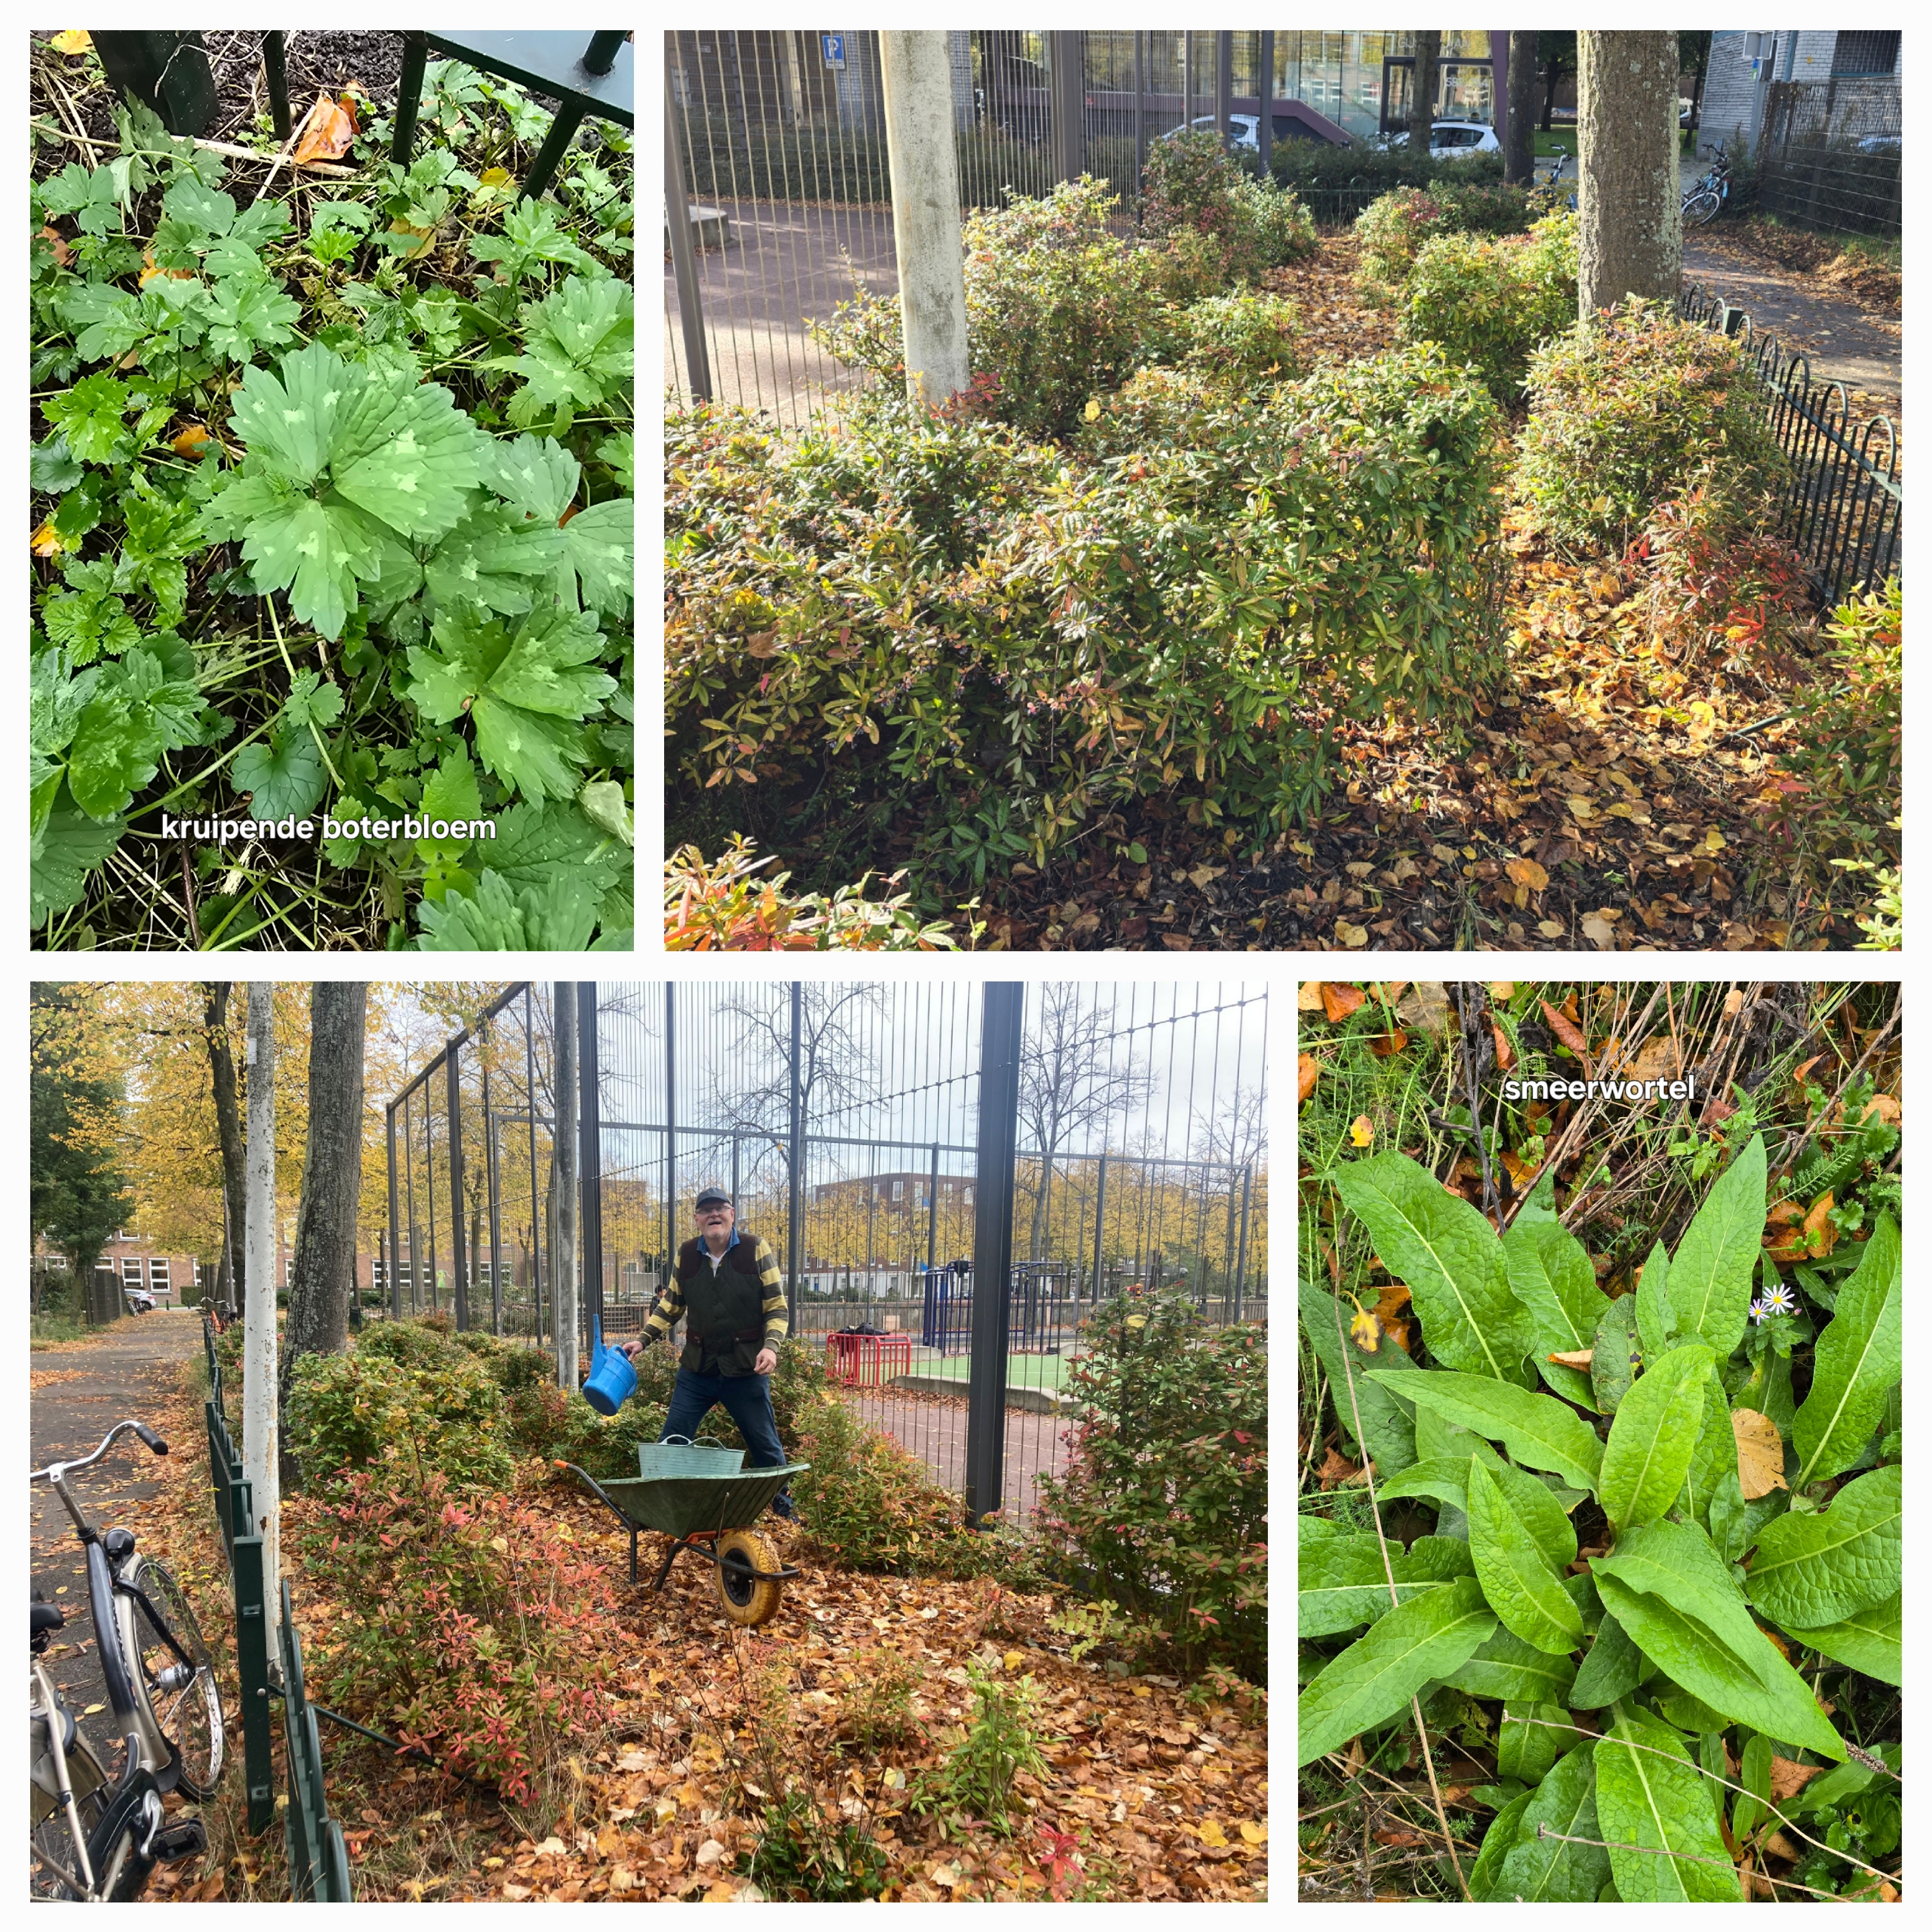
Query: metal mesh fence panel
[[844, 1120], [1831, 154]]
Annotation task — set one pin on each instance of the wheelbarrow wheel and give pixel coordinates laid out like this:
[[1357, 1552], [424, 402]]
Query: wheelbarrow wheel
[[749, 1600]]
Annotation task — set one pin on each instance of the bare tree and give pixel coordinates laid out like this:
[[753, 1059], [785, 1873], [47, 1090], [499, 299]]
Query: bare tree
[[1519, 158], [322, 1273], [1422, 91], [1070, 1082], [1630, 223], [836, 1069]]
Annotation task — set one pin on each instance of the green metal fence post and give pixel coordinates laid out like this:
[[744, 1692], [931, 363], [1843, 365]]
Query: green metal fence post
[[251, 1652]]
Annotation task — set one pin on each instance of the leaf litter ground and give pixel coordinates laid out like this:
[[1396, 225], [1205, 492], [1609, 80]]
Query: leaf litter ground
[[1162, 1798]]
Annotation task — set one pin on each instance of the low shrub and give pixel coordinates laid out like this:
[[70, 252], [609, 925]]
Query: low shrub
[[1849, 715], [1390, 233], [369, 1411], [1486, 207], [1002, 1738], [1162, 619], [1193, 187], [1319, 172], [1162, 1504], [869, 1504], [1242, 343], [461, 1624], [410, 1343], [1631, 408], [1490, 300], [718, 905]]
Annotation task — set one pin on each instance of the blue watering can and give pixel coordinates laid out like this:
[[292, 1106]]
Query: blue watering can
[[613, 1381]]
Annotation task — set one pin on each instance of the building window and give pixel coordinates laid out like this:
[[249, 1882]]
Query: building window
[[898, 1190], [158, 1273], [1865, 53], [131, 1270]]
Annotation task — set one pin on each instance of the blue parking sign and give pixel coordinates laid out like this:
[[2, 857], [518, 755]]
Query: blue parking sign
[[834, 45]]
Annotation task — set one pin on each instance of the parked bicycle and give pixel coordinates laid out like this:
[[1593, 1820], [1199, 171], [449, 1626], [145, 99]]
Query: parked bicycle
[[96, 1838], [1555, 177], [1704, 199]]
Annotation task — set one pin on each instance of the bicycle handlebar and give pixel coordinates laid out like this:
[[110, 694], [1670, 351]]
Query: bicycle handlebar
[[54, 1471]]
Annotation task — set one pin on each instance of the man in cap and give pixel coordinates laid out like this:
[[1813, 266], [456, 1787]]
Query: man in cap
[[726, 1285]]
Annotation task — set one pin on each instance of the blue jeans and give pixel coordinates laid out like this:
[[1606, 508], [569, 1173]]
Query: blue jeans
[[747, 1401]]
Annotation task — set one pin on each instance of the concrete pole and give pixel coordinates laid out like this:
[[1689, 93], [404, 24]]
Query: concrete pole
[[917, 71], [261, 1456]]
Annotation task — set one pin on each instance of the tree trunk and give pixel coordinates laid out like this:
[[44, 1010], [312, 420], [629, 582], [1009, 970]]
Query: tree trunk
[[321, 1276], [1520, 163], [1422, 91], [228, 1129], [565, 1021], [1697, 102], [1552, 79], [1629, 223], [260, 1460]]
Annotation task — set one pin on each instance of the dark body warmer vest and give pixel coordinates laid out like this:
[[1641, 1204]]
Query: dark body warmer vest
[[724, 1309]]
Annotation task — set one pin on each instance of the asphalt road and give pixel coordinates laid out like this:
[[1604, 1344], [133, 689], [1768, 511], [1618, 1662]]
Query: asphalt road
[[77, 1395]]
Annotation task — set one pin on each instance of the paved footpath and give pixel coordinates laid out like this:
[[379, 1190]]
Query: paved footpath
[[78, 1395]]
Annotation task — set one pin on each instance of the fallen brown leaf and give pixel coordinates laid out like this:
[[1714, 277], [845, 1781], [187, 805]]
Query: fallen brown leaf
[[1788, 1779], [1564, 1027], [1308, 1070], [1339, 1002], [1760, 1453], [1572, 1358], [329, 132]]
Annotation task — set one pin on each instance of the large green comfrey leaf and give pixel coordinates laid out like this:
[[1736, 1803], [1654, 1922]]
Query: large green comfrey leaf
[[1505, 1829], [1872, 1640], [1550, 1273], [1651, 1797], [1538, 1430], [1446, 1479], [1547, 1868], [346, 460], [1653, 1437], [1613, 1668], [1714, 1459], [1814, 1570], [1376, 1677], [1343, 1581], [1451, 1258], [1521, 1585], [1656, 1320], [523, 689], [1711, 1272], [1505, 1667], [1388, 1429], [1858, 1362]]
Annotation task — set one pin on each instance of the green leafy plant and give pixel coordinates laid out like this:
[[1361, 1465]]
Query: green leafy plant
[[1002, 1739], [1489, 302], [327, 530], [1744, 1534], [1633, 407], [1162, 1503]]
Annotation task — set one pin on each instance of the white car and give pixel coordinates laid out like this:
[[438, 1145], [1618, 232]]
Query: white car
[[139, 1301], [1244, 130], [1452, 140]]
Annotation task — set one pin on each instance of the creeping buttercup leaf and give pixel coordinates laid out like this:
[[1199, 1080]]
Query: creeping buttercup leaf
[[69, 846], [285, 777]]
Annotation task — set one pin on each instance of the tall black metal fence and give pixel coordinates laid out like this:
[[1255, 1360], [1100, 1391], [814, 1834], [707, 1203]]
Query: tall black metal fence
[[846, 1119], [1844, 506], [776, 152], [1830, 155]]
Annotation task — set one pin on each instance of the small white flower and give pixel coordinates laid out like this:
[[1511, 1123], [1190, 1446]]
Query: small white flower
[[1757, 1310], [1779, 1300]]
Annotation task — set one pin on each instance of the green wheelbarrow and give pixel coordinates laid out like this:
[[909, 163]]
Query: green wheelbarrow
[[701, 1496]]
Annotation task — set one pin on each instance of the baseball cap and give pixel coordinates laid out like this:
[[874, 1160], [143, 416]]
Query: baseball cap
[[713, 1197]]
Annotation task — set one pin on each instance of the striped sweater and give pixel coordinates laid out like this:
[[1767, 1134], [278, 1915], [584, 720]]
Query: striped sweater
[[669, 1306]]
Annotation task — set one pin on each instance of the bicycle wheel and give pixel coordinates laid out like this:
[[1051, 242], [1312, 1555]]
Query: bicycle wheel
[[179, 1704], [51, 1863], [1701, 208]]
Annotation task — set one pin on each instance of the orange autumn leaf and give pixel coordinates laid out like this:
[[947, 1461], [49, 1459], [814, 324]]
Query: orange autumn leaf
[[1520, 1172], [193, 441], [1394, 1299], [1573, 1358], [150, 272], [329, 132], [1527, 872], [63, 254], [1785, 1214], [47, 540], [1564, 1026], [1505, 1053], [1390, 992], [1821, 1231], [1339, 1002], [1388, 1044], [1309, 1071], [70, 41], [1798, 1073]]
